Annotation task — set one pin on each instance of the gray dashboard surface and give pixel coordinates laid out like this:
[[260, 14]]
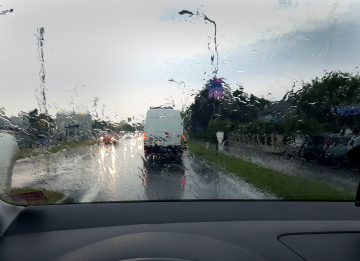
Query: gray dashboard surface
[[329, 246], [75, 216], [232, 240], [176, 230]]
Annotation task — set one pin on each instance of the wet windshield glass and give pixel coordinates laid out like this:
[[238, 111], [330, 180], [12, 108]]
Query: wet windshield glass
[[178, 100]]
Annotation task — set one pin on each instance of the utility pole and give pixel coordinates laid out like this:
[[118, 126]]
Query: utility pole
[[216, 67], [42, 89], [213, 22]]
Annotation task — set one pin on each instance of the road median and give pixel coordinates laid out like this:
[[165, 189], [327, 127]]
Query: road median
[[27, 153]]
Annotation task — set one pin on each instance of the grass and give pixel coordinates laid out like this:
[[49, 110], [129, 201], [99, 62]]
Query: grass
[[282, 185], [71, 145], [26, 153], [52, 197]]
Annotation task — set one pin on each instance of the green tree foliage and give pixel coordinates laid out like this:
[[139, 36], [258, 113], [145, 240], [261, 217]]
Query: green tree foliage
[[127, 127], [216, 125], [309, 126], [235, 107], [261, 126], [201, 111], [41, 122], [2, 111], [33, 116], [314, 101], [248, 107], [310, 113], [98, 124], [112, 126]]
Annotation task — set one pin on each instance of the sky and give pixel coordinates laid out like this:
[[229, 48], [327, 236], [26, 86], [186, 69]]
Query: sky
[[115, 58]]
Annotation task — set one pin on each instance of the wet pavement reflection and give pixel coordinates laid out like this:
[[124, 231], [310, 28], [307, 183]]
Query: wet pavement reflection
[[121, 173]]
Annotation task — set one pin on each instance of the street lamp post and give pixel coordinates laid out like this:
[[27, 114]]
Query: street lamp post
[[186, 12], [183, 12]]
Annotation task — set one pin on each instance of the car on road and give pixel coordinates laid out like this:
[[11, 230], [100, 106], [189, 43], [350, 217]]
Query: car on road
[[108, 137], [336, 148], [295, 145], [313, 147], [163, 133]]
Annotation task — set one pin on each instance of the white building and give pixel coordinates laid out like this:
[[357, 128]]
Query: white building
[[70, 123]]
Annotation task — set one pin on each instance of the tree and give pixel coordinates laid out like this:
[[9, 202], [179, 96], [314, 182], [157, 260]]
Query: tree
[[309, 126], [2, 111], [40, 122], [33, 116], [317, 100], [99, 124], [235, 107], [201, 111], [249, 106]]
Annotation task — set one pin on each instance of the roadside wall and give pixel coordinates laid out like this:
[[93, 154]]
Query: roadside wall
[[268, 142]]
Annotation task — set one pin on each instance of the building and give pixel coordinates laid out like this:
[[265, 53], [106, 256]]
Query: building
[[70, 124], [276, 110]]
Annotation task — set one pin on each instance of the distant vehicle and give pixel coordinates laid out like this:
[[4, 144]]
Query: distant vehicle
[[108, 137], [163, 133], [107, 140], [356, 142], [97, 133], [295, 145], [338, 146], [313, 148], [335, 149]]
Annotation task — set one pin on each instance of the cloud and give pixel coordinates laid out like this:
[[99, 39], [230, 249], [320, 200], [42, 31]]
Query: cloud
[[115, 45], [288, 3]]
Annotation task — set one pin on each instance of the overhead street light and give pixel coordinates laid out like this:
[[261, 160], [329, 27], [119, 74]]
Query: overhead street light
[[186, 12]]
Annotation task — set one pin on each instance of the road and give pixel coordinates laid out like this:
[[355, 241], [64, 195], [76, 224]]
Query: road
[[120, 173]]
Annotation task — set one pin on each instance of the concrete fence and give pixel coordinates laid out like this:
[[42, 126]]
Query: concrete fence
[[274, 142]]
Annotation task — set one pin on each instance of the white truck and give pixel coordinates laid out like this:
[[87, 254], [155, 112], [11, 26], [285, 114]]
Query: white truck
[[163, 132]]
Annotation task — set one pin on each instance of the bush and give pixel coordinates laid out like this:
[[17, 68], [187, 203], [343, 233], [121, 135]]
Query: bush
[[309, 126]]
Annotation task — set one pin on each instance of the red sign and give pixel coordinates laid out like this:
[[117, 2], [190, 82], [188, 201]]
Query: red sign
[[28, 196]]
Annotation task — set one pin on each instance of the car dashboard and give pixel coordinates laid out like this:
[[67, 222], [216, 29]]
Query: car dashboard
[[190, 230]]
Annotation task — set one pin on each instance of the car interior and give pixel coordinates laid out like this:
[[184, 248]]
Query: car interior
[[177, 61], [174, 230]]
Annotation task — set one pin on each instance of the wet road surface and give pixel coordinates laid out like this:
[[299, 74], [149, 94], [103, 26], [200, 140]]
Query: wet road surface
[[120, 173]]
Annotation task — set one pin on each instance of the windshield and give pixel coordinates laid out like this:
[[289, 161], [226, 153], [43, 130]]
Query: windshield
[[107, 101]]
